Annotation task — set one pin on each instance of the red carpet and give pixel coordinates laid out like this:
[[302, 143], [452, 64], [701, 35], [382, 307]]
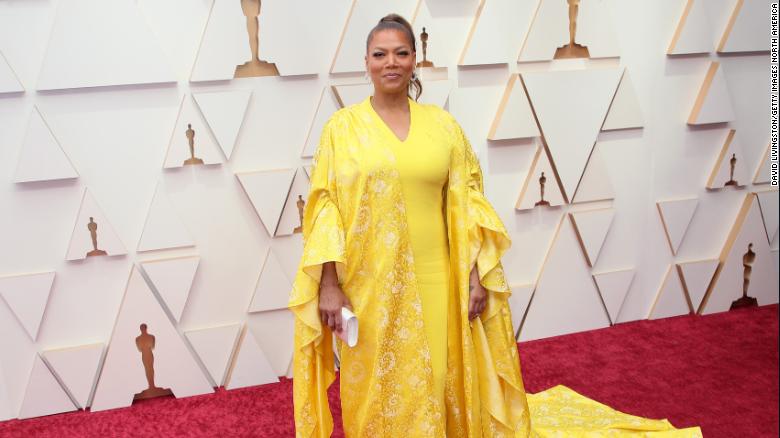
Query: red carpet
[[719, 372]]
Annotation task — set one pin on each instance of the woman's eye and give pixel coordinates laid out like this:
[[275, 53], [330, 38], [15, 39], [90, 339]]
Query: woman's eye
[[378, 54], [403, 53]]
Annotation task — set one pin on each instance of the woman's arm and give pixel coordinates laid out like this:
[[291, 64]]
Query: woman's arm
[[477, 294], [332, 298]]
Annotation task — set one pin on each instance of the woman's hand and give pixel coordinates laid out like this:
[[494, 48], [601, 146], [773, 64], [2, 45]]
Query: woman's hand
[[332, 298], [477, 295]]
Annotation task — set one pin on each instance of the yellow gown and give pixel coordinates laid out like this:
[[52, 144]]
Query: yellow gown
[[405, 221]]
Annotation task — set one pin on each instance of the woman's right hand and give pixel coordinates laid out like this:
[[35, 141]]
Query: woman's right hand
[[332, 299]]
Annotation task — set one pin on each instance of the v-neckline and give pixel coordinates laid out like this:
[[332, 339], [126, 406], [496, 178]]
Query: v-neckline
[[387, 127]]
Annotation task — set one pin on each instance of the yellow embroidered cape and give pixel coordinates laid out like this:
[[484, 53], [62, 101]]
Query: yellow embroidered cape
[[355, 216]]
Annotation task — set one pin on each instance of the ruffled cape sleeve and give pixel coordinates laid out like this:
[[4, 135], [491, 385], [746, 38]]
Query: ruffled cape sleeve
[[501, 388], [324, 241]]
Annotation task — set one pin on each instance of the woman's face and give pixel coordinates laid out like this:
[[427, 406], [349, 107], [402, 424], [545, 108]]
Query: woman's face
[[390, 61]]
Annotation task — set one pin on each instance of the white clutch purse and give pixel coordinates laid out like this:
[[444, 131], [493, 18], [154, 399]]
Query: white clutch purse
[[349, 327]]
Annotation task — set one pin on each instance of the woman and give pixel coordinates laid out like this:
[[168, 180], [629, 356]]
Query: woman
[[396, 227]]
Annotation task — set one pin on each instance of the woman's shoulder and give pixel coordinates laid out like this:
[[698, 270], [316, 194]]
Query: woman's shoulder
[[437, 113]]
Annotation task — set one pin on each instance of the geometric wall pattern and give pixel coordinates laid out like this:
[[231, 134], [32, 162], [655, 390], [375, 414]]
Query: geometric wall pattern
[[125, 99]]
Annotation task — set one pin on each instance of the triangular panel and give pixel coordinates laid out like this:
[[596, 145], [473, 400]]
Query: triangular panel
[[224, 112], [224, 44], [9, 82], [613, 287], [596, 183], [363, 16], [250, 365], [769, 203], [729, 168], [671, 300], [114, 46], [541, 186], [125, 372], [570, 106], [713, 103], [291, 221], [351, 94], [273, 287], [676, 215], [518, 304], [696, 277], [566, 299], [497, 32], [763, 173], [274, 332], [26, 296], [624, 112], [267, 191], [191, 141], [436, 92], [44, 395], [214, 346], [327, 105], [592, 227], [550, 31], [692, 34], [77, 369], [163, 228], [746, 30], [42, 157], [173, 280], [92, 233], [514, 117], [745, 254]]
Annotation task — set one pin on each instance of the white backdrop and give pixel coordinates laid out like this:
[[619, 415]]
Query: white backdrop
[[108, 78]]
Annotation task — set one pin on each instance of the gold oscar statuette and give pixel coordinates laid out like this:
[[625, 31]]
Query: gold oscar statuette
[[542, 182], [573, 49], [747, 268], [191, 140], [255, 66], [733, 164], [300, 203], [92, 226], [145, 344], [424, 40]]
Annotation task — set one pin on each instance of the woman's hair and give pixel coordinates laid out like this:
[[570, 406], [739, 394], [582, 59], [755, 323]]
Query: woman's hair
[[397, 22]]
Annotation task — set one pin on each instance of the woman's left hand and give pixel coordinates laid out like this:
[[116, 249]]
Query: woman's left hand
[[477, 295]]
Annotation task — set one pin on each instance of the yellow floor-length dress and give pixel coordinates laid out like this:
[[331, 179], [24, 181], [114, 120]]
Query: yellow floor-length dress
[[405, 221]]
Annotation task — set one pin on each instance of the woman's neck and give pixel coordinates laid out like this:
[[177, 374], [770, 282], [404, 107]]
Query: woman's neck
[[390, 102]]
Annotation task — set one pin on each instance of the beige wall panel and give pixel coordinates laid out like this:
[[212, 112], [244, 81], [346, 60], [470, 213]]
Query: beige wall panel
[[172, 279], [224, 112], [692, 34], [77, 369], [566, 299], [44, 395], [9, 82], [613, 287], [42, 158], [625, 111], [364, 15], [114, 45], [497, 32], [550, 30], [671, 299], [26, 296], [214, 346], [696, 277], [728, 283], [124, 371], [250, 365], [746, 28], [570, 106]]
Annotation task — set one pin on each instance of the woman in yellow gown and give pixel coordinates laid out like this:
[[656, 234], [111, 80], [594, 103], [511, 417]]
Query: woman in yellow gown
[[396, 227]]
